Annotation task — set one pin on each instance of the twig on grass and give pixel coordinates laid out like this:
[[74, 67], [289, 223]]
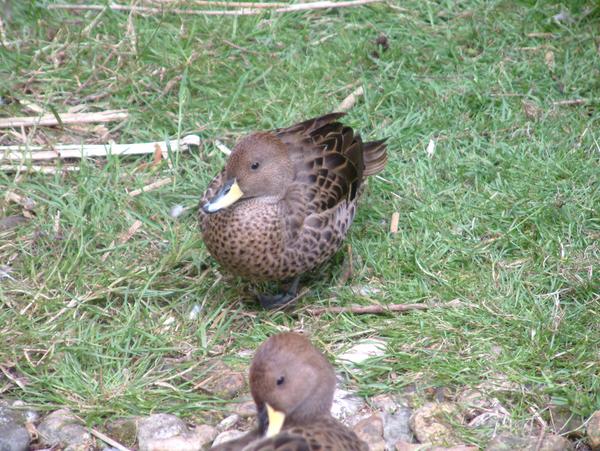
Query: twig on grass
[[12, 378], [150, 187], [349, 101], [378, 309], [394, 222], [540, 439], [222, 147], [106, 439], [348, 268], [207, 12], [242, 49], [8, 223], [124, 237], [232, 4], [26, 202], [2, 32], [570, 102], [541, 35], [37, 168], [63, 151], [65, 118]]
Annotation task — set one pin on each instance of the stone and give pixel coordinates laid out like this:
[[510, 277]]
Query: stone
[[362, 351], [456, 448], [493, 419], [473, 402], [346, 404], [225, 436], [481, 411], [499, 383], [593, 431], [124, 430], [432, 423], [370, 430], [404, 446], [223, 381], [384, 402], [165, 432], [550, 442], [396, 427], [389, 402], [246, 409], [565, 422], [30, 415], [205, 434], [63, 428], [13, 433], [508, 442], [228, 422]]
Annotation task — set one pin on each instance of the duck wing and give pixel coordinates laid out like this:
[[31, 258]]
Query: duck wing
[[328, 164], [319, 436], [328, 161]]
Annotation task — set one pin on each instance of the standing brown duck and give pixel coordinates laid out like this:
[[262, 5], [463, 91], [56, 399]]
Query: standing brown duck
[[292, 384], [285, 200]]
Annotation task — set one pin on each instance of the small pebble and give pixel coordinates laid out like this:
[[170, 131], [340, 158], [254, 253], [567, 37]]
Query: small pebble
[[177, 210], [195, 312], [228, 422], [225, 436]]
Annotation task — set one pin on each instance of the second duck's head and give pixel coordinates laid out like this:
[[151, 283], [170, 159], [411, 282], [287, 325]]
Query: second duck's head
[[291, 382], [259, 167]]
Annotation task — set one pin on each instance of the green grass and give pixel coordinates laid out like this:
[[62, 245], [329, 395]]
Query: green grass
[[504, 216]]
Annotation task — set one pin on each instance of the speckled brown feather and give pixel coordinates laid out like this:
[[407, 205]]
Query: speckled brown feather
[[263, 240]]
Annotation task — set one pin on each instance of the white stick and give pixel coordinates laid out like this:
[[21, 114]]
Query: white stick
[[61, 151], [394, 223], [150, 187], [106, 439], [65, 118], [123, 238], [37, 168], [207, 12], [325, 5], [222, 147], [229, 4], [349, 101]]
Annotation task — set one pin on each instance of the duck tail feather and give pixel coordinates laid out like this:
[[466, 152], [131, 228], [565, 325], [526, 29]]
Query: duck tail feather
[[375, 157]]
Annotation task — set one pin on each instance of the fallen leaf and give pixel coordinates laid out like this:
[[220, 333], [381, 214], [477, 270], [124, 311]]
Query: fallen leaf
[[157, 155], [549, 59], [531, 110], [431, 148]]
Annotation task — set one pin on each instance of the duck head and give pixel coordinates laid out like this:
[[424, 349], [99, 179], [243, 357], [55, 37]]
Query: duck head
[[259, 167], [291, 382]]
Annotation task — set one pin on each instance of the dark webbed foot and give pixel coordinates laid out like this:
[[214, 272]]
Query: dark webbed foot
[[281, 300]]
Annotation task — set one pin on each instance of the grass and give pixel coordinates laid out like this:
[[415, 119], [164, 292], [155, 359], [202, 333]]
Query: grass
[[504, 216]]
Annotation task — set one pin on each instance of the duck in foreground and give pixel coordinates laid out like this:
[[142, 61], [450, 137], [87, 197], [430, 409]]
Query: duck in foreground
[[285, 200], [292, 384]]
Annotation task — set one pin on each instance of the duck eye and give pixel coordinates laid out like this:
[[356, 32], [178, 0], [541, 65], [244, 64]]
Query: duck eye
[[281, 380], [255, 165]]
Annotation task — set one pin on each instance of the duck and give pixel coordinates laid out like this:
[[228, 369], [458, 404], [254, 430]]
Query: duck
[[285, 200], [292, 384]]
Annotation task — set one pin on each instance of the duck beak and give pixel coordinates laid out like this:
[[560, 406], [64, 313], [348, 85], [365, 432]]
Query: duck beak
[[276, 420], [226, 196]]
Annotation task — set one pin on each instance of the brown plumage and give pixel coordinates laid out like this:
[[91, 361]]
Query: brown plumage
[[286, 198], [290, 376]]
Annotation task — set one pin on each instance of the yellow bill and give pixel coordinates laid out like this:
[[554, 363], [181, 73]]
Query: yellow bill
[[276, 420], [226, 196]]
